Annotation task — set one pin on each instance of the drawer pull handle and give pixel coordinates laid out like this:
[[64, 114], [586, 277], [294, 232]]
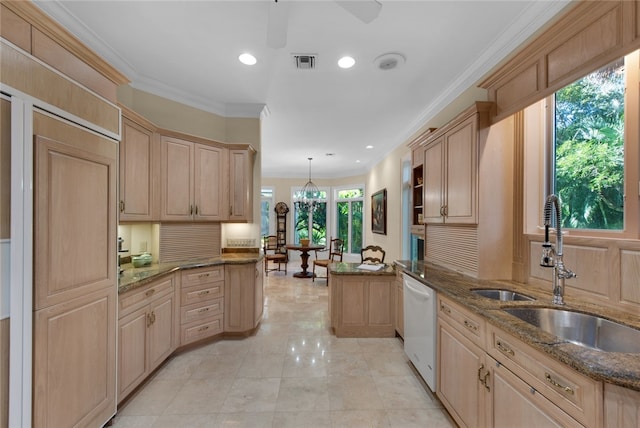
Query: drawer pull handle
[[470, 326], [203, 310], [150, 292], [204, 275], [205, 328], [502, 347], [445, 309], [557, 385], [203, 293]]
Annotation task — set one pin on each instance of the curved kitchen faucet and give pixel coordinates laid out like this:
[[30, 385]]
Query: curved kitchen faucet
[[551, 257]]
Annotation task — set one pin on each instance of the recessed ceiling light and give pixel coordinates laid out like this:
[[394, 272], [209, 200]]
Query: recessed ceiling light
[[357, 160], [346, 62], [369, 146], [247, 59]]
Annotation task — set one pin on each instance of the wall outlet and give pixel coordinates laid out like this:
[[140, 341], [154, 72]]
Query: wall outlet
[[143, 246]]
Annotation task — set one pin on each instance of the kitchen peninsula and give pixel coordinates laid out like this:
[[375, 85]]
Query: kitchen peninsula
[[362, 302]]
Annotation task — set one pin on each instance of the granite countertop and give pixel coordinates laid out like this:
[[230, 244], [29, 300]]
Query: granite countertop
[[133, 277], [343, 268], [621, 369]]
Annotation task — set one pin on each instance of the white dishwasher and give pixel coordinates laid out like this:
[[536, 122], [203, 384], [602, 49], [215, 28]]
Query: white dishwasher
[[420, 328]]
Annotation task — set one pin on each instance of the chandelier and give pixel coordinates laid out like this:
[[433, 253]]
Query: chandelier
[[308, 195]]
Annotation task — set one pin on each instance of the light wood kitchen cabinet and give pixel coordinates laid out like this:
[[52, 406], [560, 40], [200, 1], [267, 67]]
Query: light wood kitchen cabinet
[[621, 407], [243, 297], [201, 303], [514, 403], [399, 303], [194, 181], [487, 377], [462, 365], [241, 185], [146, 332], [362, 305], [75, 212], [139, 158], [451, 169]]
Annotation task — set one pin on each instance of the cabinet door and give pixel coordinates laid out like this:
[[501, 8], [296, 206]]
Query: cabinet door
[[516, 404], [400, 308], [177, 179], [460, 364], [132, 351], [240, 185], [161, 334], [239, 298], [75, 219], [74, 355], [135, 172], [210, 191], [433, 182], [381, 304], [461, 172], [259, 295]]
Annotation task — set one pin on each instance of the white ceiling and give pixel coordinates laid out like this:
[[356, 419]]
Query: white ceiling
[[187, 51]]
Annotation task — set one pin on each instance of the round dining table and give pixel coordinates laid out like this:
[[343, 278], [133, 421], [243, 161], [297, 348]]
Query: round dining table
[[304, 255]]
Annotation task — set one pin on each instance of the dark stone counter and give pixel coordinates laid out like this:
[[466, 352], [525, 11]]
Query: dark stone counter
[[132, 277], [616, 368]]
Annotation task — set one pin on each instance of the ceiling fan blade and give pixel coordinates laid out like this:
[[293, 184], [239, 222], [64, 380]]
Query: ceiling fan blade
[[365, 10], [277, 24]]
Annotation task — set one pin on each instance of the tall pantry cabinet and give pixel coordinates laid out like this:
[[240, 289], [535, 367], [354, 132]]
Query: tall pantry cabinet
[[63, 309]]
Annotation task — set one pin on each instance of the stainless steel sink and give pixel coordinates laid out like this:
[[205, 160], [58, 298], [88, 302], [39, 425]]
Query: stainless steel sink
[[504, 295], [582, 329]]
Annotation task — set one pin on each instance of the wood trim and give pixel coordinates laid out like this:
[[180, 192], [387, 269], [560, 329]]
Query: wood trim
[[201, 140], [25, 73], [4, 372], [588, 36], [39, 20], [519, 241]]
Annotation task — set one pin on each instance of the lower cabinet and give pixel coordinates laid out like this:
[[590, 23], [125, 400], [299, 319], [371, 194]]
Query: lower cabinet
[[201, 303], [243, 297], [145, 332], [399, 304], [488, 378], [621, 407], [362, 305]]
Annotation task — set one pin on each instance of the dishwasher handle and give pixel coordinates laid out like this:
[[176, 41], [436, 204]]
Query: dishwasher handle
[[424, 291]]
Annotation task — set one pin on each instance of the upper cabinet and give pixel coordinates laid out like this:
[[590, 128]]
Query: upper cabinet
[[417, 182], [194, 181], [241, 184], [139, 157], [205, 181], [451, 169]]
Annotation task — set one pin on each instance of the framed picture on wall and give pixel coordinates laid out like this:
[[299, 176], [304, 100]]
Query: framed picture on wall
[[379, 212]]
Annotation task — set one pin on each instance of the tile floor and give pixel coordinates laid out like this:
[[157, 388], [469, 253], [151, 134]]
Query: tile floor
[[291, 373]]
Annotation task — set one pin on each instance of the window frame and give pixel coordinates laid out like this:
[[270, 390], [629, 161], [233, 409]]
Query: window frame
[[334, 205], [631, 227]]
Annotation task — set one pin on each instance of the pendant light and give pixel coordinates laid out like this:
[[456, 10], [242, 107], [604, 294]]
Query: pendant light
[[308, 195]]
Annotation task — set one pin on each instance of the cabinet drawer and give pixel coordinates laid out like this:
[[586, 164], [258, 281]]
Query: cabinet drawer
[[470, 325], [201, 293], [193, 277], [200, 311], [198, 330], [576, 394], [139, 297]]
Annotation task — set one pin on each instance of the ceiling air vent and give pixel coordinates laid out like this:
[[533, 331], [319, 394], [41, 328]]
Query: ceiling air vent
[[304, 61]]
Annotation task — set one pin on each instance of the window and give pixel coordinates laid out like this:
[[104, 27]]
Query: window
[[267, 214], [316, 229], [588, 145], [349, 218]]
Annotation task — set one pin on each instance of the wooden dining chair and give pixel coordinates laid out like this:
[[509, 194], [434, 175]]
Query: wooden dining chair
[[274, 254], [336, 247], [372, 254]]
